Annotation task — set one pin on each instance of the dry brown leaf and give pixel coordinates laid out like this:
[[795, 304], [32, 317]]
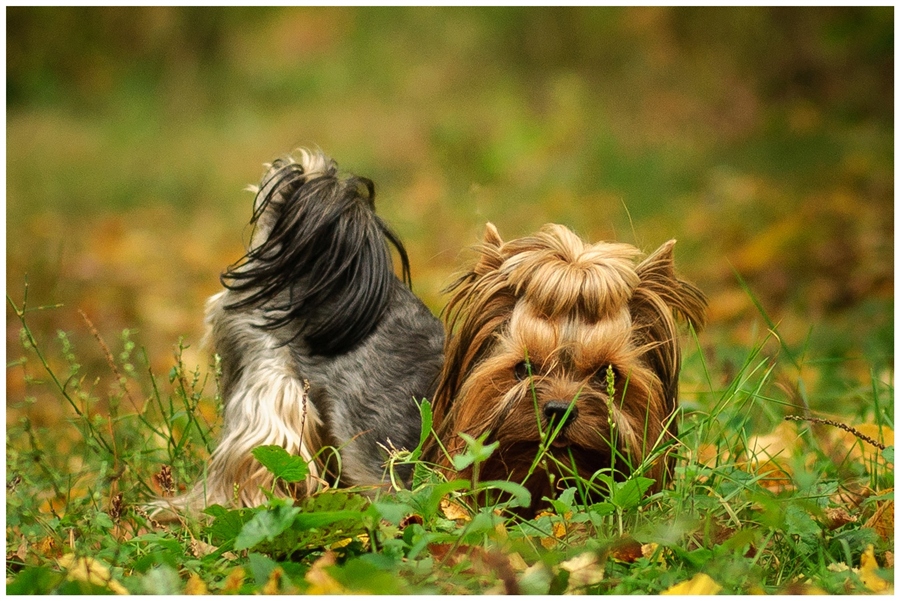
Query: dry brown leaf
[[882, 521], [626, 550], [198, 548], [701, 584], [16, 559], [801, 588], [837, 517]]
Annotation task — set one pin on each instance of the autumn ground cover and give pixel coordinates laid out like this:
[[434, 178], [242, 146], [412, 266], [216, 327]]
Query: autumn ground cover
[[761, 138]]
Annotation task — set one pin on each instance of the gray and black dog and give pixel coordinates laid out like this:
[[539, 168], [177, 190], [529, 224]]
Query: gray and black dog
[[322, 346]]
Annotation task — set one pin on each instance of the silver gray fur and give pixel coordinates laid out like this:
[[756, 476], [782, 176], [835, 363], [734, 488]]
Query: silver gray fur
[[321, 344]]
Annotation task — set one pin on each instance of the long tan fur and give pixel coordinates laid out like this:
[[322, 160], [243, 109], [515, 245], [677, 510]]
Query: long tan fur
[[571, 313]]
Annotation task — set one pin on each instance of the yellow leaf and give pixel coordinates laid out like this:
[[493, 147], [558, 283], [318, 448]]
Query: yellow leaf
[[195, 586], [454, 511], [770, 455], [90, 570], [701, 584], [867, 566], [273, 584], [559, 531], [649, 550], [234, 580], [320, 581], [341, 543]]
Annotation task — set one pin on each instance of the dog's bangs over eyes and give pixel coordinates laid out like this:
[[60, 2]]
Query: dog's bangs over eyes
[[539, 345]]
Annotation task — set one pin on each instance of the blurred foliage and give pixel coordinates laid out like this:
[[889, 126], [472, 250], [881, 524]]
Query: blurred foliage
[[762, 138]]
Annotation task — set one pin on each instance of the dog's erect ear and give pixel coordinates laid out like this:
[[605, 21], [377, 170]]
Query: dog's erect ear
[[489, 251], [657, 274], [491, 235]]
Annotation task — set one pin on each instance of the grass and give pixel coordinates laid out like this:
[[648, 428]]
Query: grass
[[734, 519], [132, 131]]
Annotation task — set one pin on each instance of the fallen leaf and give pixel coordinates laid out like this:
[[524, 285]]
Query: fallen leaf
[[835, 517], [195, 586], [769, 455], [649, 550], [867, 566], [198, 548], [701, 584], [801, 588], [87, 569], [584, 570], [882, 521], [321, 582], [274, 583], [626, 550], [454, 511], [234, 580]]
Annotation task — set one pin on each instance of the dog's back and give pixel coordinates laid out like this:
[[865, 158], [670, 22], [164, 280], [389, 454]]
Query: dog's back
[[321, 344]]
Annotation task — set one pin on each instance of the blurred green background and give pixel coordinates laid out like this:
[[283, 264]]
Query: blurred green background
[[760, 138]]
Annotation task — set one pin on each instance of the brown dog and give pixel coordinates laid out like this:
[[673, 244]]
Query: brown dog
[[566, 354]]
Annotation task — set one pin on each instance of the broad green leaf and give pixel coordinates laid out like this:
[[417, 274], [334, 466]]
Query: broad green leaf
[[521, 496], [427, 420], [228, 523], [628, 494], [265, 526], [281, 464], [476, 451]]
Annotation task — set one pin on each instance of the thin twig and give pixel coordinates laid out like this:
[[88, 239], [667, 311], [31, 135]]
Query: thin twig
[[845, 427], [109, 358]]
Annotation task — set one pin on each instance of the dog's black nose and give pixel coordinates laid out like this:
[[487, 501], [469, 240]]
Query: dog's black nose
[[556, 411]]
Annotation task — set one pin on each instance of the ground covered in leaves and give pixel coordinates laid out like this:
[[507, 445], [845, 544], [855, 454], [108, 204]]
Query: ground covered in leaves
[[760, 138]]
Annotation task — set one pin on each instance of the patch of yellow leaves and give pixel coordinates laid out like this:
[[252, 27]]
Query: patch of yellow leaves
[[867, 573], [867, 566], [701, 584], [87, 569], [195, 586], [320, 581]]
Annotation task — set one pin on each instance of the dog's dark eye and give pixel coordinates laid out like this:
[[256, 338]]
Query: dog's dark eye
[[522, 370], [608, 375]]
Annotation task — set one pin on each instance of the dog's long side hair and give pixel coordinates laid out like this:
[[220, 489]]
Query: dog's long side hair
[[557, 274], [316, 280]]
